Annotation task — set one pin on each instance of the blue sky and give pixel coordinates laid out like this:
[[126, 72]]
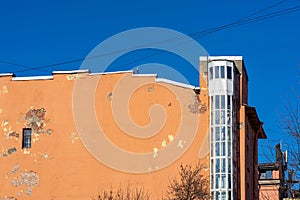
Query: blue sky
[[39, 33]]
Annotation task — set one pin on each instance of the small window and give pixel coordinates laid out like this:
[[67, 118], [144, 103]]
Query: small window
[[222, 101], [223, 165], [223, 134], [229, 72], [211, 73], [26, 142], [217, 102], [218, 165], [223, 149], [222, 69], [217, 149], [217, 75], [228, 102], [218, 184], [229, 183], [218, 137], [223, 185]]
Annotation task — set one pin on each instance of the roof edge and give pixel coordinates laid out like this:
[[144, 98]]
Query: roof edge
[[163, 80], [29, 78], [7, 74], [256, 123], [72, 71]]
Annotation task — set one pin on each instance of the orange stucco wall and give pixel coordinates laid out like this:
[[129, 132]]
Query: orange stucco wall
[[69, 159]]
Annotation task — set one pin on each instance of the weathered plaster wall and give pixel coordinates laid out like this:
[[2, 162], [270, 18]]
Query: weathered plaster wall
[[61, 166]]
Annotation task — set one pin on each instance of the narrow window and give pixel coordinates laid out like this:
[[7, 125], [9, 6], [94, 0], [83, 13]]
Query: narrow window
[[228, 102], [217, 133], [222, 117], [229, 166], [217, 117], [229, 134], [223, 185], [218, 185], [217, 101], [223, 149], [218, 165], [223, 133], [229, 72], [26, 142], [222, 69], [222, 101], [229, 148], [223, 165], [211, 73], [217, 149], [217, 75]]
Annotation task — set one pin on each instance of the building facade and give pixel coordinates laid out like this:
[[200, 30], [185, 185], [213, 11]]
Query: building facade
[[75, 134]]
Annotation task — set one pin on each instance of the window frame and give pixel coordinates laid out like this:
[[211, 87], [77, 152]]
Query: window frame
[[26, 138]]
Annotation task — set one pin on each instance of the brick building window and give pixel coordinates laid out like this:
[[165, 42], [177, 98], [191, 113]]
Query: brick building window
[[26, 139]]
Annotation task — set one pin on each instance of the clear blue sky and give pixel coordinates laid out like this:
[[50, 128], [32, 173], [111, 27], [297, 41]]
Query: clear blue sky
[[38, 33]]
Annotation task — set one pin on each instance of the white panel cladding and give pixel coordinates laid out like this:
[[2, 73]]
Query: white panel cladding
[[220, 84]]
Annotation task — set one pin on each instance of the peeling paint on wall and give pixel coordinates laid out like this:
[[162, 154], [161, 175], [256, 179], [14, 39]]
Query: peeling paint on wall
[[171, 138], [4, 89], [74, 137], [196, 106], [28, 179], [150, 89], [164, 143], [8, 152], [40, 156], [73, 76], [26, 151], [35, 119], [109, 96], [7, 198], [4, 122], [13, 134], [155, 152], [180, 144], [13, 171]]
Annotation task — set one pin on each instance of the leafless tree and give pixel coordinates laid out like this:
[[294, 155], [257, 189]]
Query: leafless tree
[[124, 194], [290, 123], [192, 184]]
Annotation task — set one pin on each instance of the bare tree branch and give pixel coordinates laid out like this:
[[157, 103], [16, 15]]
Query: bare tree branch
[[193, 184]]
